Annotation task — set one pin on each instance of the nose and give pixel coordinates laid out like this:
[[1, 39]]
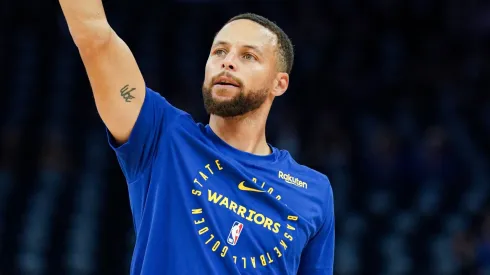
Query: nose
[[229, 63]]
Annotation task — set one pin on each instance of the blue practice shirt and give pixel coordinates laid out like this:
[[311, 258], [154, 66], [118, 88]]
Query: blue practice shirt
[[200, 206]]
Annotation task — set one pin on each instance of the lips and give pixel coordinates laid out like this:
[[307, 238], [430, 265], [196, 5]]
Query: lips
[[223, 80]]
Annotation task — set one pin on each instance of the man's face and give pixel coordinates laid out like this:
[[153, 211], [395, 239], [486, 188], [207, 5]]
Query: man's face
[[240, 69]]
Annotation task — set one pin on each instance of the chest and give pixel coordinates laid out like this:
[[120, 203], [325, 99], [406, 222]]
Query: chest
[[240, 216], [241, 213]]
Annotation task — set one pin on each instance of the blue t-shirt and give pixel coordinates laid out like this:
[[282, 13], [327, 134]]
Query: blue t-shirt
[[201, 206]]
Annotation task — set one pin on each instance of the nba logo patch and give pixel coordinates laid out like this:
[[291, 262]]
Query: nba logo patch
[[235, 232]]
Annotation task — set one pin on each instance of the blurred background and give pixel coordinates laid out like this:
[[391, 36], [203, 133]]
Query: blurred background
[[390, 99]]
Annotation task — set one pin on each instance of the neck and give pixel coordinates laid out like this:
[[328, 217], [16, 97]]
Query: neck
[[245, 133]]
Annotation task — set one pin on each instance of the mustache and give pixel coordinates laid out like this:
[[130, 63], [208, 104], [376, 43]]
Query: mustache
[[229, 75]]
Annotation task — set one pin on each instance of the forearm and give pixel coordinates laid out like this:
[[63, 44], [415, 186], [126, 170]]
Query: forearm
[[116, 81], [87, 21]]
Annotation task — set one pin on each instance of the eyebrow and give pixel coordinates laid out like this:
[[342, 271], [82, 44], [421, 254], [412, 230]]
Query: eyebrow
[[224, 43]]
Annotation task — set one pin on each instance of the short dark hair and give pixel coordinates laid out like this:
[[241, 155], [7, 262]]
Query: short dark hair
[[285, 47]]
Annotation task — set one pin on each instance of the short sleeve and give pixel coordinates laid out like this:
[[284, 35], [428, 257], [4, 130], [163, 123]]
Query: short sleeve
[[318, 256], [137, 153]]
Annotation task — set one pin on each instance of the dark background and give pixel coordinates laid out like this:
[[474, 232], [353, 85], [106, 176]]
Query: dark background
[[390, 99]]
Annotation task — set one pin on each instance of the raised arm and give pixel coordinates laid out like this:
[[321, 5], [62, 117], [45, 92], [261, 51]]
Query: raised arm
[[116, 81]]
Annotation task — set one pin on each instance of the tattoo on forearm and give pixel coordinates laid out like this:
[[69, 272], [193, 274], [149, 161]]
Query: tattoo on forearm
[[126, 93]]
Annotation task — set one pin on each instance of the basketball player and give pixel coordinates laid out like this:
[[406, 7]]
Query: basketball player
[[211, 199]]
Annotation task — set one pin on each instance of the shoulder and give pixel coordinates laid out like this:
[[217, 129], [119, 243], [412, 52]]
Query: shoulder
[[160, 108], [315, 187], [302, 174], [156, 99]]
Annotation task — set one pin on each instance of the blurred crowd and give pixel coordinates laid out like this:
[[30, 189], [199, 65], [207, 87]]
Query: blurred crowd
[[390, 99]]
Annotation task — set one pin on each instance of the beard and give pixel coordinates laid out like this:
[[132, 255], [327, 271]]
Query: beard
[[239, 105]]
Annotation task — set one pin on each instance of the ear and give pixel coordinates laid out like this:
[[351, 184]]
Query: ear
[[281, 83]]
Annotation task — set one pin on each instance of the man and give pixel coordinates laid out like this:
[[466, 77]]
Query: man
[[209, 199]]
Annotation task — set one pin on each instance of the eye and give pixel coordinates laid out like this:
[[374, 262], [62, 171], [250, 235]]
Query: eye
[[219, 52], [248, 56]]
